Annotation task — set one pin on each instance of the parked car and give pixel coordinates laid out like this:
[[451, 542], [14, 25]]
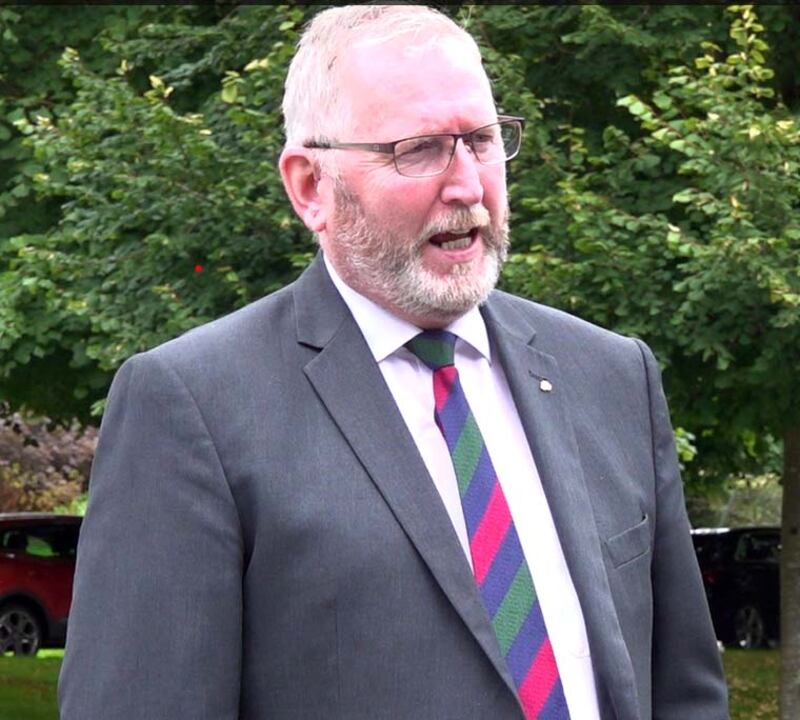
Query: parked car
[[740, 568], [37, 563]]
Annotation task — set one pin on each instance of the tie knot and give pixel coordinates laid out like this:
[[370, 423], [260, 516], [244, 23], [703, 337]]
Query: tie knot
[[436, 348]]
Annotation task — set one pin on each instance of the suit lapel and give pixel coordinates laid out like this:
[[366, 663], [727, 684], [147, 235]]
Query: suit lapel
[[350, 385], [545, 419]]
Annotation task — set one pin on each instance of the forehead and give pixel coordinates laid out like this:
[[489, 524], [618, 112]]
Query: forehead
[[405, 86]]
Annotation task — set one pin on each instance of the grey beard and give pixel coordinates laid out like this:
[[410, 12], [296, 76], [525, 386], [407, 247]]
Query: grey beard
[[391, 267]]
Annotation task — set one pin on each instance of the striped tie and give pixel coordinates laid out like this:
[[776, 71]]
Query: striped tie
[[503, 577]]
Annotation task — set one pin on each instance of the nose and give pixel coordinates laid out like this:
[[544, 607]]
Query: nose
[[462, 180]]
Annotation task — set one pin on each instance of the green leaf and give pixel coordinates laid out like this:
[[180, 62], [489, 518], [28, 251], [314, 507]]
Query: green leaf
[[637, 108], [230, 93], [662, 100]]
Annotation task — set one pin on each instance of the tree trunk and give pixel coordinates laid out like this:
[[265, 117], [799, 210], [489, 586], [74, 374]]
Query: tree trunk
[[790, 578]]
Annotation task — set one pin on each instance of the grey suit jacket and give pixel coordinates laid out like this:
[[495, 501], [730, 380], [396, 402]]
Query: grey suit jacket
[[263, 539]]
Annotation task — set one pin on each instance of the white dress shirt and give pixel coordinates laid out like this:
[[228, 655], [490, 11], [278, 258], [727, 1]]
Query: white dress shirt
[[484, 384]]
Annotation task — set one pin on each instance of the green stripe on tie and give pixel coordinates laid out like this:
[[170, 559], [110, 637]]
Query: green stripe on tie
[[433, 353], [514, 609], [467, 453]]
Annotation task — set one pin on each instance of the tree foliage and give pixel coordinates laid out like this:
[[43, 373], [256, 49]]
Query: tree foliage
[[172, 210], [40, 374]]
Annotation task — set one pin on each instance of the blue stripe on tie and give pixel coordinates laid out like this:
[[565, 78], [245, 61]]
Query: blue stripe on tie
[[526, 645], [502, 573], [476, 499], [556, 706]]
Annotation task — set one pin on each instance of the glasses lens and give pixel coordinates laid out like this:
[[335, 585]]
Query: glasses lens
[[497, 143], [431, 154], [487, 142], [512, 137], [420, 156]]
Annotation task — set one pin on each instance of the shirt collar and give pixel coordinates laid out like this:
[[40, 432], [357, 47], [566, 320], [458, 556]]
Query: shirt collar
[[385, 333]]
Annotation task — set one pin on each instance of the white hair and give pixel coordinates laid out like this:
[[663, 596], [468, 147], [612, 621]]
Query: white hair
[[313, 105]]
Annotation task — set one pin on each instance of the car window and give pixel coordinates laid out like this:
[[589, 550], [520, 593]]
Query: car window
[[758, 547], [13, 541], [45, 541], [708, 548], [39, 546], [64, 539]]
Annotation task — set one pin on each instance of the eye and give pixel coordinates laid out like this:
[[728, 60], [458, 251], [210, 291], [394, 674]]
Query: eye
[[421, 146], [484, 137]]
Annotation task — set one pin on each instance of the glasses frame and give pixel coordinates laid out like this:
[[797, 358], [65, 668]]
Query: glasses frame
[[389, 148]]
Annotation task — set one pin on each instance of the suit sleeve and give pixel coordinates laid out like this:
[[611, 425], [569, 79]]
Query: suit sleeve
[[687, 678], [156, 620]]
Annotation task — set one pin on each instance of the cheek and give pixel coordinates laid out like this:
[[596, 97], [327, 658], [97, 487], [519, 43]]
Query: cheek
[[406, 207], [495, 196]]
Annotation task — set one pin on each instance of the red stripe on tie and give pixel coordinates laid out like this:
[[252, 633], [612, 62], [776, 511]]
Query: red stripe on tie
[[490, 533], [534, 691], [443, 379]]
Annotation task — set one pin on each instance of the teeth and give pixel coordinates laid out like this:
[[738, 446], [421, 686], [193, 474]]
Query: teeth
[[458, 244]]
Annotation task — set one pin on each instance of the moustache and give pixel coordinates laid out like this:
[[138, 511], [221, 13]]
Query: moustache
[[458, 221]]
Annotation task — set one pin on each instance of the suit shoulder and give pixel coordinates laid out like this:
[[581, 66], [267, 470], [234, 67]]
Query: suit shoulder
[[553, 325], [256, 318], [247, 332]]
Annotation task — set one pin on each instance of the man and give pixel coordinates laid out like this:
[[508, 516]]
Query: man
[[286, 520]]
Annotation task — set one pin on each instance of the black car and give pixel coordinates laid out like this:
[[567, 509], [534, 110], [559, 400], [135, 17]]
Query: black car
[[740, 568]]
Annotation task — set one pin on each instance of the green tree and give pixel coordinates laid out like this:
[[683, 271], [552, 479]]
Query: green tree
[[32, 84], [172, 210]]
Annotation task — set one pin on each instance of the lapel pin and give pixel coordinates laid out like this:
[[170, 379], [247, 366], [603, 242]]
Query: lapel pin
[[545, 385]]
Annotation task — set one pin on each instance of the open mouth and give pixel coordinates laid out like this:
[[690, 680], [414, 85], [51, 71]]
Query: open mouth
[[454, 241]]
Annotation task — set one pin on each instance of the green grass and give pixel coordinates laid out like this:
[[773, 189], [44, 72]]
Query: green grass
[[753, 683], [28, 686]]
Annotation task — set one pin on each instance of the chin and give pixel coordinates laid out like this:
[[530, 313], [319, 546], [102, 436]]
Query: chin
[[433, 297]]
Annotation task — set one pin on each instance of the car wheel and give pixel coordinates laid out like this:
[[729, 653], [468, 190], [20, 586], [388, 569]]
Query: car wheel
[[20, 630], [748, 627]]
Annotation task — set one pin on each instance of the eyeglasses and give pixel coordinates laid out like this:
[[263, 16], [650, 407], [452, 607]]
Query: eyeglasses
[[428, 155]]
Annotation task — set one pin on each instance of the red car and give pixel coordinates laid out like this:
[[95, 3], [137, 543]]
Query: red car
[[37, 562]]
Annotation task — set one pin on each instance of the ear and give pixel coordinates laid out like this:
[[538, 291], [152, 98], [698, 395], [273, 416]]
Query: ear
[[301, 178]]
